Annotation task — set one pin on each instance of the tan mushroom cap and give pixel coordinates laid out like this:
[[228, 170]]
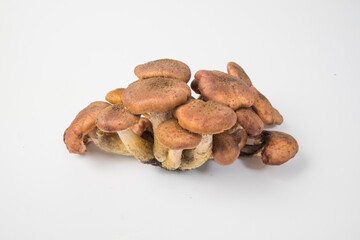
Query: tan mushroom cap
[[167, 68], [235, 70], [173, 136], [225, 149], [83, 123], [201, 117], [155, 95], [114, 96], [279, 147], [224, 88], [250, 121], [116, 118]]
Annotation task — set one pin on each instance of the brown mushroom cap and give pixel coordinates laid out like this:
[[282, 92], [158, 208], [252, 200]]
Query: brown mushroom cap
[[277, 117], [224, 88], [116, 118], [173, 136], [155, 95], [195, 86], [114, 96], [279, 147], [83, 123], [143, 125], [235, 70], [201, 117], [239, 134], [168, 68], [250, 121], [225, 149], [263, 108]]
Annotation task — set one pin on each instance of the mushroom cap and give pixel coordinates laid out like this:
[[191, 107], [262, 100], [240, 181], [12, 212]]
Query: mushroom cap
[[195, 86], [263, 108], [277, 117], [202, 117], [155, 95], [114, 96], [234, 69], [84, 122], [250, 121], [239, 134], [115, 118], [279, 147], [168, 68], [143, 125], [224, 88], [173, 136], [225, 149]]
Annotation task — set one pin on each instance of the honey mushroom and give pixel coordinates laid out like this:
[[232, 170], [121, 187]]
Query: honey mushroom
[[174, 139], [225, 149], [116, 118], [224, 88], [205, 118], [114, 96], [274, 147], [234, 69], [167, 68], [250, 121], [76, 135]]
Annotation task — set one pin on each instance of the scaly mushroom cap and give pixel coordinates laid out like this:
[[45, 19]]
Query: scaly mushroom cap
[[279, 147], [225, 149], [173, 136], [114, 96], [201, 117], [115, 118], [155, 95], [235, 70], [224, 88], [167, 68], [83, 123], [250, 121], [143, 125]]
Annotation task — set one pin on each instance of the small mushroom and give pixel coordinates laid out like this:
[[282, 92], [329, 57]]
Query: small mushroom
[[250, 121], [116, 118], [225, 149], [235, 70], [144, 125], [174, 139], [267, 113], [76, 134], [205, 118], [114, 96], [274, 147], [167, 68], [224, 88], [239, 134]]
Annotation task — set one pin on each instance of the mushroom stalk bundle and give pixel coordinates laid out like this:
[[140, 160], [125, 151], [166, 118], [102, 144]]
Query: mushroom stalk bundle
[[229, 119]]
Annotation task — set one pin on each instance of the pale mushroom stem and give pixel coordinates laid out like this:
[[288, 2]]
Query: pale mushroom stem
[[160, 152], [200, 154], [137, 146], [173, 159], [108, 142], [156, 118]]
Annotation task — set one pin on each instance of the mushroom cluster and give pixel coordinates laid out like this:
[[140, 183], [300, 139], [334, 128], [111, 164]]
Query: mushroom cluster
[[157, 121]]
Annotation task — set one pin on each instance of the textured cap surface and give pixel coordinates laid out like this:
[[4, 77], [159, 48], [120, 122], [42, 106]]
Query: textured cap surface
[[279, 147], [168, 68], [83, 123], [235, 70], [173, 136], [224, 88], [250, 121], [225, 149], [201, 117], [114, 96], [116, 118], [155, 95]]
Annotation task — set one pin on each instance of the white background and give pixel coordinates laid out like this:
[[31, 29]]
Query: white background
[[58, 56]]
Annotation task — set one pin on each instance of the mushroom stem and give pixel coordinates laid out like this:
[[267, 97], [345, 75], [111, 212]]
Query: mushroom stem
[[158, 117], [200, 154], [108, 142], [173, 159], [160, 151], [137, 146]]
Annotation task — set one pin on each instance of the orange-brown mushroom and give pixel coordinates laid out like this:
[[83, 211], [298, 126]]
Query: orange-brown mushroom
[[234, 69], [250, 121], [114, 96], [84, 122], [225, 149]]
